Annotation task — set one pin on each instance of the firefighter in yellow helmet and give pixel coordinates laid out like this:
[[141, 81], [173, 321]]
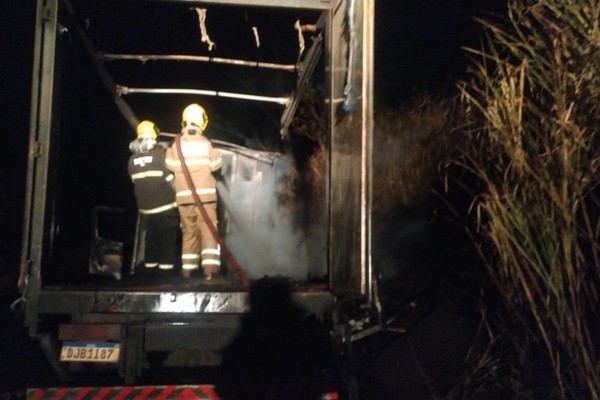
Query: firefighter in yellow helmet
[[199, 246], [155, 199]]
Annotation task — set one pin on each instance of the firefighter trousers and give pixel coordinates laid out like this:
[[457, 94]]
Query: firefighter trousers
[[198, 245], [161, 232]]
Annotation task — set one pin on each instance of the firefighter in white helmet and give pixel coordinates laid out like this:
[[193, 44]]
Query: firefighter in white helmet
[[199, 246], [155, 198]]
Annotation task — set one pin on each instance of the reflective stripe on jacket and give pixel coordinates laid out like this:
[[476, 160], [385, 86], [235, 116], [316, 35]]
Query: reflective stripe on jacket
[[152, 181], [201, 159]]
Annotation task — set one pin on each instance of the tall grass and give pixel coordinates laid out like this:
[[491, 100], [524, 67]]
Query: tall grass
[[532, 107]]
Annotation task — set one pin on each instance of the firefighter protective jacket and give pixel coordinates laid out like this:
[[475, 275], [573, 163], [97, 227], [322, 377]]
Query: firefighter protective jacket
[[152, 181], [201, 160]]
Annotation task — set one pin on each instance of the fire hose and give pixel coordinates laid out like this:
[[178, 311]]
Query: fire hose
[[213, 230]]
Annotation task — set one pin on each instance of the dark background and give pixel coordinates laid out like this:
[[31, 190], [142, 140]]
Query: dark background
[[417, 48]]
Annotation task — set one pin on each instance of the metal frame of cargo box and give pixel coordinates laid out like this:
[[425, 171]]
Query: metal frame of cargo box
[[349, 196]]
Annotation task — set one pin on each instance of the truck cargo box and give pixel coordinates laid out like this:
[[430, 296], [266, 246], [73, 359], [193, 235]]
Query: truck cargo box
[[101, 66]]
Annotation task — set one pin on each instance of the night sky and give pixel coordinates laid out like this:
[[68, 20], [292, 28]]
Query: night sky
[[417, 47]]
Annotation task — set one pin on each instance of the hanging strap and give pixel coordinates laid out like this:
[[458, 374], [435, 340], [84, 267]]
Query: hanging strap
[[213, 230]]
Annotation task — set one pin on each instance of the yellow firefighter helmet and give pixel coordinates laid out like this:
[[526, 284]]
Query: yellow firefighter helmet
[[147, 129], [194, 115]]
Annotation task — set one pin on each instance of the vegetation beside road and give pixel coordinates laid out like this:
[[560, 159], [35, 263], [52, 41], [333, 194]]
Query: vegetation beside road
[[529, 122]]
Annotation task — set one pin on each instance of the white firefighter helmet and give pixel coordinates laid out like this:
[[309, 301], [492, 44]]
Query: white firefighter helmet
[[194, 115], [147, 129]]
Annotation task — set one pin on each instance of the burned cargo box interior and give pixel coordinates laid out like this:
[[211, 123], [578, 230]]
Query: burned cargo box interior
[[257, 71]]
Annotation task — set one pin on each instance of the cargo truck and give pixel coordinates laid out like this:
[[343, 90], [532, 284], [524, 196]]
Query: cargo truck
[[101, 66]]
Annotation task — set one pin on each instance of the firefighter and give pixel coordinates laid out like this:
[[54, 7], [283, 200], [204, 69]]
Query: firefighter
[[199, 245], [155, 199]]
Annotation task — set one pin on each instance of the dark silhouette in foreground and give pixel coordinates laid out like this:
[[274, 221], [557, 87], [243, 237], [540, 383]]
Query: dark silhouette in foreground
[[280, 352]]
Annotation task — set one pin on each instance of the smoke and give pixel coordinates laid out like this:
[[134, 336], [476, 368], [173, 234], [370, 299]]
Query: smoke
[[262, 232]]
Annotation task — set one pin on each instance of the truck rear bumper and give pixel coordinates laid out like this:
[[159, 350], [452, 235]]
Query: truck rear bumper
[[163, 301]]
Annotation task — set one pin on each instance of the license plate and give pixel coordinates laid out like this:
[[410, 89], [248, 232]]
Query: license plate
[[90, 352]]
